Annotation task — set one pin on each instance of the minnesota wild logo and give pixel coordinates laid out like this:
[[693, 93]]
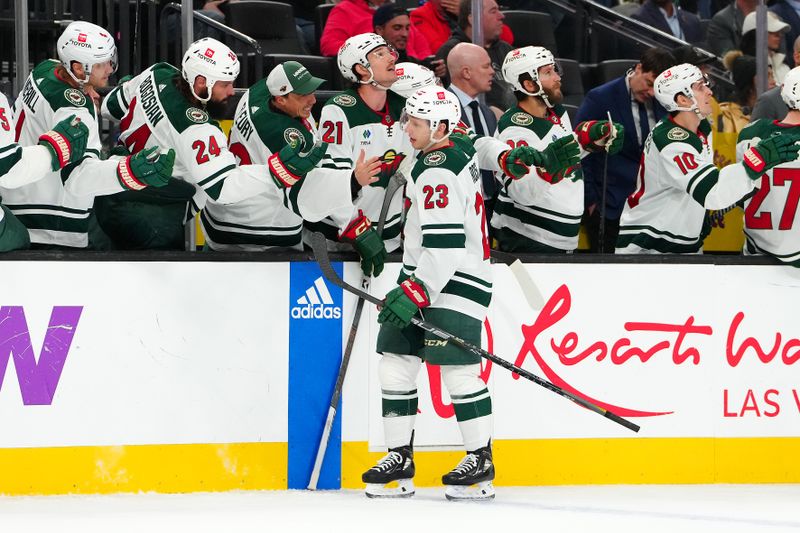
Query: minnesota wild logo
[[293, 136], [390, 162], [75, 97]]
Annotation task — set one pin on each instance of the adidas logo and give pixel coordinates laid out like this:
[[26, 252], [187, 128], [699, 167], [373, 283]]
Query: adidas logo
[[317, 303]]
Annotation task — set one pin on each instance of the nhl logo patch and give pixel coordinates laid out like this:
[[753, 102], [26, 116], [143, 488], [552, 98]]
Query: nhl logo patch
[[522, 119], [196, 115], [293, 136], [75, 97], [434, 159], [344, 100], [677, 134]]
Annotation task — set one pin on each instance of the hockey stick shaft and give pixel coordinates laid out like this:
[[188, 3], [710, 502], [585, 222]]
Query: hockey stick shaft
[[396, 181], [321, 255]]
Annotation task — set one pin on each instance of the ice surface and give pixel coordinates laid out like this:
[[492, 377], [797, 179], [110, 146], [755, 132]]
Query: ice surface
[[618, 509]]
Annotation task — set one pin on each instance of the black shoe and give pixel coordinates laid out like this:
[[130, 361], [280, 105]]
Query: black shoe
[[476, 467], [397, 464]]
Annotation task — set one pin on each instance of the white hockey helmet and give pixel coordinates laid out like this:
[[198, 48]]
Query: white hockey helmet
[[434, 104], [790, 92], [412, 77], [89, 45], [527, 60], [677, 80], [354, 52], [211, 59]]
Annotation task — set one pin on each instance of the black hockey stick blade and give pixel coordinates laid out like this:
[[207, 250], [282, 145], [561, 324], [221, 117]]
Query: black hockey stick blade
[[320, 248]]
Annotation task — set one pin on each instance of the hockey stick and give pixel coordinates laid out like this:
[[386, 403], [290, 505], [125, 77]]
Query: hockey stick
[[321, 254], [601, 232], [529, 289], [395, 182]]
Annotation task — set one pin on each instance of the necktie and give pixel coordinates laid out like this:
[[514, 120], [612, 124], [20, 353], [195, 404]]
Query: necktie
[[477, 125], [644, 124]]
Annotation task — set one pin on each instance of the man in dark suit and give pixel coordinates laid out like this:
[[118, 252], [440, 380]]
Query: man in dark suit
[[630, 100], [665, 16], [472, 74]]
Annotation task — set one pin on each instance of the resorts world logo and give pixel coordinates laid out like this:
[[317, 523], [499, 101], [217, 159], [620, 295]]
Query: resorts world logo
[[317, 303]]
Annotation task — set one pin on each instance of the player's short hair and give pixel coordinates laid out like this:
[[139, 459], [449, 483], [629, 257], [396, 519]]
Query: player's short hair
[[656, 60]]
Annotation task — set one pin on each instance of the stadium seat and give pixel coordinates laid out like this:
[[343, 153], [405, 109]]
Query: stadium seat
[[321, 67], [270, 23], [322, 11], [532, 28], [613, 68], [571, 82], [572, 110]]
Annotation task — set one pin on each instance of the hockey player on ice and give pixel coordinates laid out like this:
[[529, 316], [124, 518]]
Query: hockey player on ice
[[543, 215], [64, 144], [770, 221], [678, 181], [171, 107], [446, 277], [56, 208]]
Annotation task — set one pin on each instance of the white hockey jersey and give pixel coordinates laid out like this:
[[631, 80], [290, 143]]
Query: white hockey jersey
[[677, 183], [532, 207], [273, 218], [446, 245], [56, 208], [153, 112], [771, 213], [18, 166], [350, 126]]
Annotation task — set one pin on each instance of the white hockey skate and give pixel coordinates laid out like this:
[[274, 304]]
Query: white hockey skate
[[393, 476], [472, 478]]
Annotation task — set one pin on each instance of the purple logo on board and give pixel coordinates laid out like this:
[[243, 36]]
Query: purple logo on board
[[37, 380]]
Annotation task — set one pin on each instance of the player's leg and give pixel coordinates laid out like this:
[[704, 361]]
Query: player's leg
[[472, 402], [472, 477], [398, 379]]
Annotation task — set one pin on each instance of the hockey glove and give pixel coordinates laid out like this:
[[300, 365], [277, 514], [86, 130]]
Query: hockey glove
[[66, 142], [146, 168], [403, 302], [515, 163], [770, 152], [464, 143], [561, 158], [596, 135], [290, 165], [368, 244]]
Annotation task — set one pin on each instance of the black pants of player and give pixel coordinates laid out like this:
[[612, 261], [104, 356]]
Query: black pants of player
[[611, 231]]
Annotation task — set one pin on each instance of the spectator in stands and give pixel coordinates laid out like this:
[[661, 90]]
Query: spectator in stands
[[630, 100], [391, 22], [354, 17], [501, 96], [471, 74], [665, 16], [775, 30], [770, 104], [436, 20], [788, 13], [725, 29], [627, 7]]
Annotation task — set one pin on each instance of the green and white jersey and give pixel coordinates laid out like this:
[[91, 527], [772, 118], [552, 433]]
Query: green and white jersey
[[445, 243], [273, 218], [56, 208], [349, 126], [770, 215], [153, 112], [541, 211], [18, 166], [677, 183]]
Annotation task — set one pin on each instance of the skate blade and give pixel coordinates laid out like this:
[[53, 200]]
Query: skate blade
[[477, 492], [402, 488]]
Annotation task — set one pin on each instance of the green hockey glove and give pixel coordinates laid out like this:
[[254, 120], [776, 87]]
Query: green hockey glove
[[146, 168], [560, 159], [598, 135], [368, 244], [772, 151], [290, 165], [516, 163], [66, 142], [403, 302]]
